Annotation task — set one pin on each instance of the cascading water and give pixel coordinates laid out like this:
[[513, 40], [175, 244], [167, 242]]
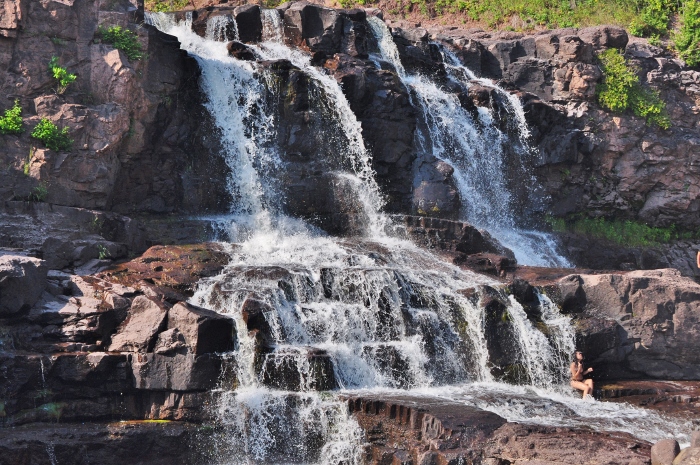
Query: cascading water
[[476, 149], [314, 313]]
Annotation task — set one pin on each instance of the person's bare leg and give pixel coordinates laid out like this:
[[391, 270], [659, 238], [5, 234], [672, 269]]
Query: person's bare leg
[[580, 386], [589, 385]]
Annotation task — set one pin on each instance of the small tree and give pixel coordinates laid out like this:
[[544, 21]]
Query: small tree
[[61, 75], [11, 122], [52, 137]]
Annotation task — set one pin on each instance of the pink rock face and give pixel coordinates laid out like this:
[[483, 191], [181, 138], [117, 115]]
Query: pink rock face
[[689, 456], [22, 280], [10, 17], [657, 311], [138, 332], [664, 451]]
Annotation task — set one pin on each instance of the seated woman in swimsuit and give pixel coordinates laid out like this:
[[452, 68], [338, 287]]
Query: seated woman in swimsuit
[[577, 373]]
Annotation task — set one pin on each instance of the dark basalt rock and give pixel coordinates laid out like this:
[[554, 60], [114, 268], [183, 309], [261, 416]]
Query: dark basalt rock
[[249, 23], [325, 30], [297, 370], [240, 51], [22, 281]]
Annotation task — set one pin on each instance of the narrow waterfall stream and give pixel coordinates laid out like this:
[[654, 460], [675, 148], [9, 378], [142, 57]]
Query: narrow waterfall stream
[[477, 150], [318, 316]]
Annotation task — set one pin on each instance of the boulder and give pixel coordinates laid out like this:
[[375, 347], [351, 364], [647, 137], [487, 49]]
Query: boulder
[[171, 271], [249, 23], [253, 311], [326, 31], [664, 451], [651, 319], [689, 456], [22, 281], [138, 333], [178, 372], [204, 331], [605, 37], [240, 51]]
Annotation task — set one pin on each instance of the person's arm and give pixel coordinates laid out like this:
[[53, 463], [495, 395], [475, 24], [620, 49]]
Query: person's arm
[[698, 259], [576, 369]]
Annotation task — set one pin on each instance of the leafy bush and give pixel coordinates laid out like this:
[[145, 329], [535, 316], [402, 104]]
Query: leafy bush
[[165, 5], [653, 19], [61, 75], [628, 233], [39, 193], [531, 13], [52, 137], [11, 122], [122, 39], [621, 90], [687, 40]]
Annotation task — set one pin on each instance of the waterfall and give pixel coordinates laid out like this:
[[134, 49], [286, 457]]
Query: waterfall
[[316, 315], [349, 137], [545, 352], [236, 100], [272, 26], [477, 150]]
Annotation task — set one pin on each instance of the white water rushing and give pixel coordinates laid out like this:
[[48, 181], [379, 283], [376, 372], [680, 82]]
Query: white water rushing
[[372, 313], [477, 150]]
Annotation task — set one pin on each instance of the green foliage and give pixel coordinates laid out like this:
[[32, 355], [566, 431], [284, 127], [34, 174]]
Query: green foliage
[[28, 162], [61, 75], [653, 18], [39, 193], [52, 137], [11, 122], [621, 91], [102, 252], [530, 13], [628, 233], [687, 40], [122, 39], [159, 6]]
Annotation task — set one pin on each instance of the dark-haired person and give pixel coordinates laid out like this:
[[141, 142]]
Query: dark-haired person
[[577, 375]]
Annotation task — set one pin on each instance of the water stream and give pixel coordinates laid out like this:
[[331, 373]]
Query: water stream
[[477, 150], [319, 316]]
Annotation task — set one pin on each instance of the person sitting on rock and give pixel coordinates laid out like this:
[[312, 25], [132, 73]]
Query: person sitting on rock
[[577, 375]]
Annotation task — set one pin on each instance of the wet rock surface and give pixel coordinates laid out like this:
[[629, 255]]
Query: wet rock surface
[[414, 429]]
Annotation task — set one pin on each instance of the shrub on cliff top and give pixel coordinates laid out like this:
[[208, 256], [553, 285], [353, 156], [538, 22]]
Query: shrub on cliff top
[[11, 122], [61, 75], [621, 91], [653, 18], [165, 5], [52, 137], [122, 39], [687, 40]]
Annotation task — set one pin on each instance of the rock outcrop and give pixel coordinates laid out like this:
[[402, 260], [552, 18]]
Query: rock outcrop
[[636, 324], [410, 429], [90, 349]]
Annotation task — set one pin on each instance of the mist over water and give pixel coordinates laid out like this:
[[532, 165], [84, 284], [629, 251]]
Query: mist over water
[[368, 314]]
